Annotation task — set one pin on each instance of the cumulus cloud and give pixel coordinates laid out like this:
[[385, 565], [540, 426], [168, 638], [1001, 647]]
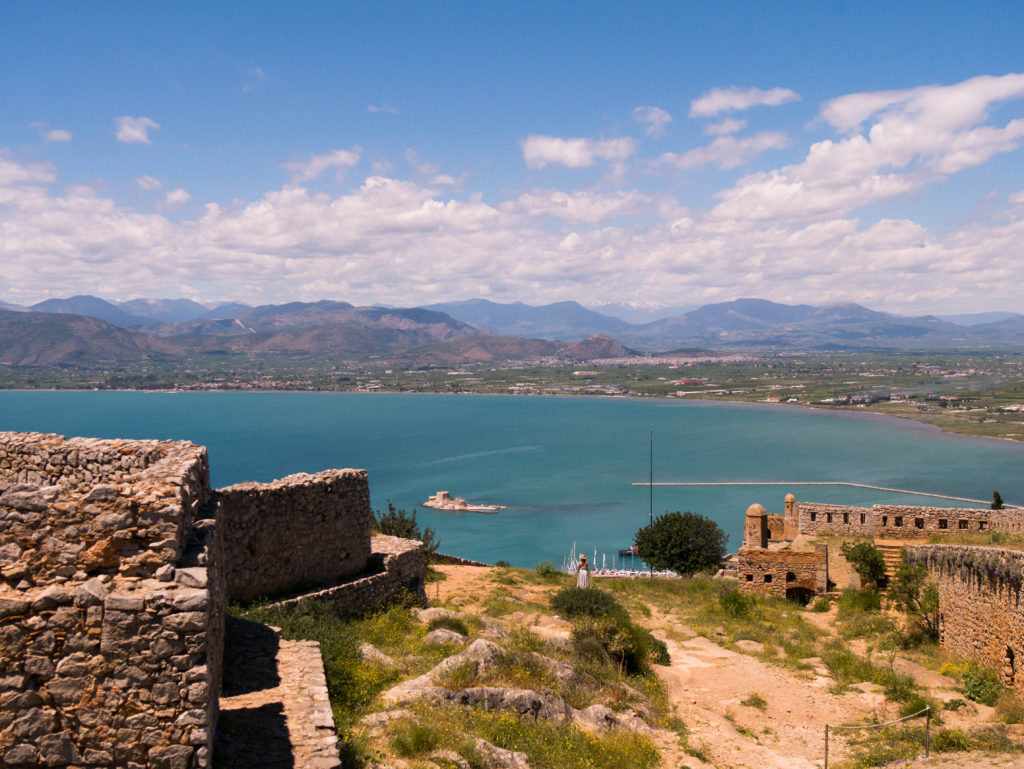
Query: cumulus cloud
[[135, 130], [726, 127], [56, 135], [719, 100], [147, 182], [174, 199], [314, 165], [654, 119], [726, 151], [582, 206], [913, 138], [539, 151], [381, 108], [1016, 198]]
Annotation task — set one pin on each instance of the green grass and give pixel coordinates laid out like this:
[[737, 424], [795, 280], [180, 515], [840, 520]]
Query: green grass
[[547, 745], [755, 700]]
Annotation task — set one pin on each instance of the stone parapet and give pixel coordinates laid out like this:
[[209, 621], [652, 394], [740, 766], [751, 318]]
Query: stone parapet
[[903, 521], [297, 532], [981, 608], [396, 564]]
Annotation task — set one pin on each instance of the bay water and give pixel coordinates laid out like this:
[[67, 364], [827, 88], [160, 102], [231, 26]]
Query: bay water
[[563, 466]]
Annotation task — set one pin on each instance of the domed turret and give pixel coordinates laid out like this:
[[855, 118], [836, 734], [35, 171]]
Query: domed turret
[[755, 528]]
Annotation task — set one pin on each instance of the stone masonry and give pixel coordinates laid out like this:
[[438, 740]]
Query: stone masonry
[[314, 529], [110, 613], [115, 559], [903, 521], [981, 609]]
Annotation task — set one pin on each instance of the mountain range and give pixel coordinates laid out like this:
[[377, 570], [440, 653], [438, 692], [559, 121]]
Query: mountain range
[[85, 328]]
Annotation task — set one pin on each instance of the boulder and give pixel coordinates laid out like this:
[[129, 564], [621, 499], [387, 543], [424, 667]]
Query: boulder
[[443, 635], [481, 654], [524, 702], [494, 757]]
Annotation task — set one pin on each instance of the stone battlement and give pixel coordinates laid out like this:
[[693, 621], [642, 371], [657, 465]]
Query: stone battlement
[[116, 559]]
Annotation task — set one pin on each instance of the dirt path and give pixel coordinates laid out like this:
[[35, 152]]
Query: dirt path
[[706, 685]]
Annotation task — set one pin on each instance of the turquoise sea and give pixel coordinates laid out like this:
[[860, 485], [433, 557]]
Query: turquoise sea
[[562, 465]]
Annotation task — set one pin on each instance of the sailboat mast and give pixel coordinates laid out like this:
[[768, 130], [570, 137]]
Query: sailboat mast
[[650, 484]]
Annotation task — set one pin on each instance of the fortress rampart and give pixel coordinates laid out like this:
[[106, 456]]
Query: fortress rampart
[[115, 561], [903, 521], [981, 609], [111, 603], [312, 529]]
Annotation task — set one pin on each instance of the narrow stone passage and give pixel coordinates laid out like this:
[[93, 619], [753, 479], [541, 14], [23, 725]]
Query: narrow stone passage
[[274, 712]]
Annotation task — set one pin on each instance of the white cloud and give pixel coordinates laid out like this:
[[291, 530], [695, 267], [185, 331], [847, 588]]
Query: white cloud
[[314, 165], [174, 199], [917, 137], [539, 151], [135, 130], [719, 100], [654, 119], [1016, 198], [726, 127], [581, 206], [56, 135], [147, 182], [727, 151], [381, 108]]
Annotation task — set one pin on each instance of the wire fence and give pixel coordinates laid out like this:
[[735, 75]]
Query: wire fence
[[926, 714]]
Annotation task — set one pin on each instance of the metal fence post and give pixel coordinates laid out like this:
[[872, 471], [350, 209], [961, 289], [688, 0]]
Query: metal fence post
[[826, 746], [928, 731]]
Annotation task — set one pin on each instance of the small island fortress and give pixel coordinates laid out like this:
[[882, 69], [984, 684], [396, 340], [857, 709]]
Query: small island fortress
[[443, 500]]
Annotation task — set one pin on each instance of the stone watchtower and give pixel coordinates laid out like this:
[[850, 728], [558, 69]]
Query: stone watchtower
[[792, 525], [755, 529]]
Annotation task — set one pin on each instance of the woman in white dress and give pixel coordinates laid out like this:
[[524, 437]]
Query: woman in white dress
[[583, 573]]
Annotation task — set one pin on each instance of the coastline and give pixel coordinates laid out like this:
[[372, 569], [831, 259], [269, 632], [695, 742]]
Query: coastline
[[905, 422]]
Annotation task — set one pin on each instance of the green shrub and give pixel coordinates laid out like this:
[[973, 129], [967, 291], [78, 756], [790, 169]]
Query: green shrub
[[454, 624], [735, 604], [399, 524], [413, 738], [1009, 709], [950, 741], [867, 561], [821, 605], [852, 602], [755, 700], [502, 564], [573, 602], [954, 704], [981, 684], [545, 568]]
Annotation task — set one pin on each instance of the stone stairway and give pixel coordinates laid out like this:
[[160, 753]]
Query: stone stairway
[[891, 550], [274, 712]]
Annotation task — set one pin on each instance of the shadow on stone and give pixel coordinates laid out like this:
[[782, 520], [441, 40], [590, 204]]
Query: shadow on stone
[[250, 657], [254, 737]]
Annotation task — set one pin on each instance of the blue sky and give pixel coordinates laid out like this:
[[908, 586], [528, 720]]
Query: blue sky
[[404, 153]]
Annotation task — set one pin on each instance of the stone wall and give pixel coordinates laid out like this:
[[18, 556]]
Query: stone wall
[[981, 609], [396, 564], [111, 603], [903, 521], [295, 533], [783, 572]]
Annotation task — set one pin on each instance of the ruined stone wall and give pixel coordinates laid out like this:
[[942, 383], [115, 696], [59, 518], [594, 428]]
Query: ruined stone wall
[[981, 609], [110, 603], [903, 521], [776, 527], [774, 572], [295, 533], [397, 564]]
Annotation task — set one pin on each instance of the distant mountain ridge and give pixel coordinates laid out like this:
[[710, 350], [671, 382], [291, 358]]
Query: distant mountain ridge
[[568, 321], [476, 330]]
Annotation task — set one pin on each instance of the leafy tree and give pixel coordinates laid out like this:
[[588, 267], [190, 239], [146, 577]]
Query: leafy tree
[[398, 524], [867, 561], [919, 598], [686, 543], [997, 500]]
